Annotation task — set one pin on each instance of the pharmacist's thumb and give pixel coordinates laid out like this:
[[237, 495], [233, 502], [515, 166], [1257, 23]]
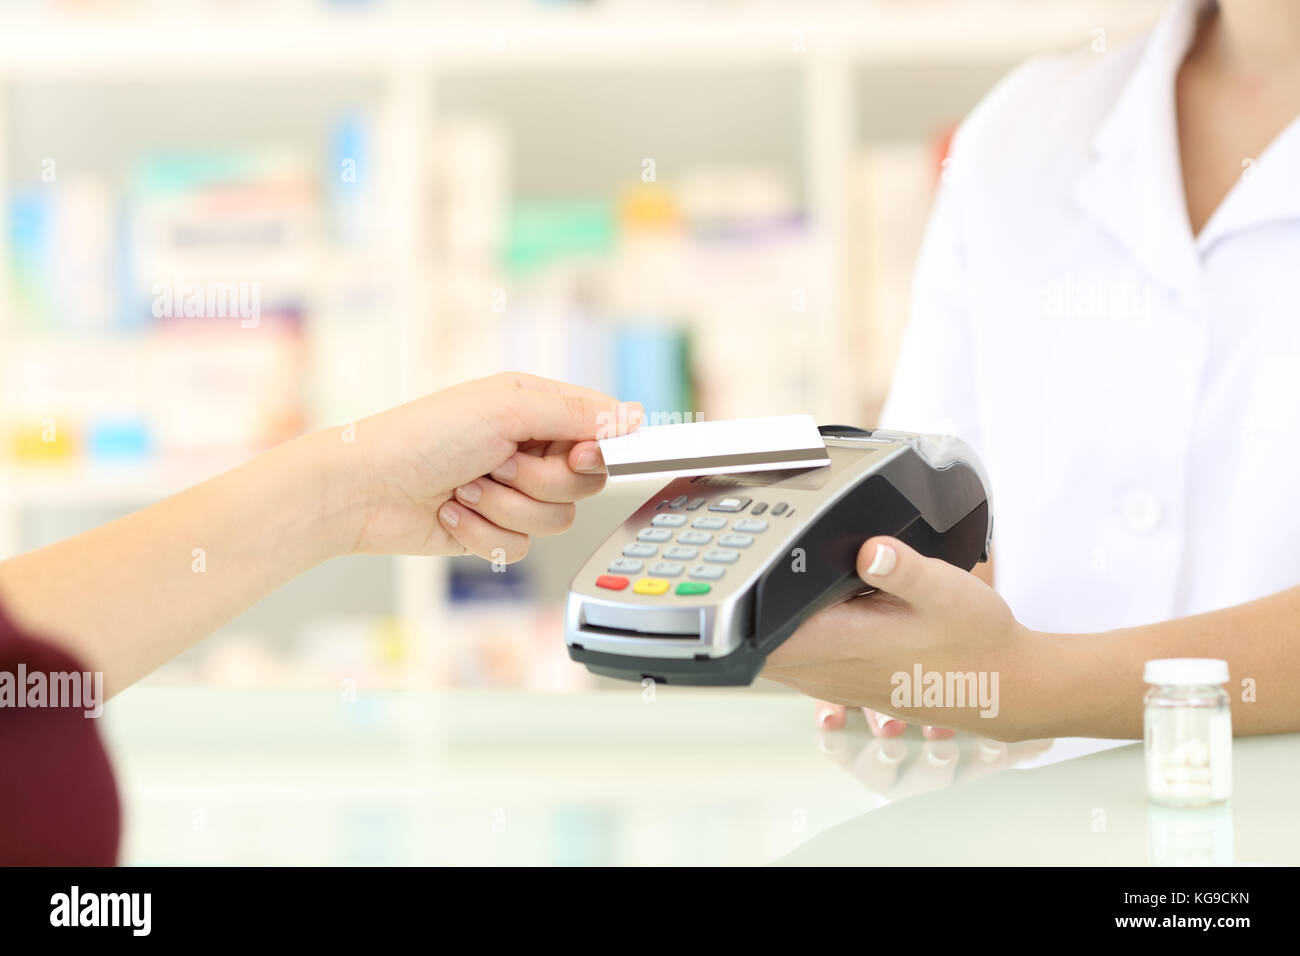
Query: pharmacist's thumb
[[891, 566]]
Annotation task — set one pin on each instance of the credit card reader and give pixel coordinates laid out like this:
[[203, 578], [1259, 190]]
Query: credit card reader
[[711, 574]]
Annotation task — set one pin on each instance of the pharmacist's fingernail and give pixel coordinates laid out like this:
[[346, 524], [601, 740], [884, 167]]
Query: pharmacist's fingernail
[[830, 717], [470, 493], [991, 750], [450, 515], [884, 561], [941, 754], [937, 733], [890, 751], [507, 470], [589, 461], [884, 726]]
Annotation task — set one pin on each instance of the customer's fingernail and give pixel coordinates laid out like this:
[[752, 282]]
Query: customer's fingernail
[[938, 733], [450, 515], [884, 560], [507, 470], [588, 460], [826, 717], [471, 492]]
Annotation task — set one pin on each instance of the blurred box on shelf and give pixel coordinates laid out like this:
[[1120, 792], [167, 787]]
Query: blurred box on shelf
[[42, 442], [169, 395], [348, 652], [63, 262], [250, 220], [472, 581], [513, 645]]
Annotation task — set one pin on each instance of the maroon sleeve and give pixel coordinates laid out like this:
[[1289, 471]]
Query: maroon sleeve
[[58, 803]]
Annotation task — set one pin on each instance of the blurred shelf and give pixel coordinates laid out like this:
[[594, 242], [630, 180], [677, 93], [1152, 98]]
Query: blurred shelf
[[136, 484], [92, 485], [357, 41], [410, 65]]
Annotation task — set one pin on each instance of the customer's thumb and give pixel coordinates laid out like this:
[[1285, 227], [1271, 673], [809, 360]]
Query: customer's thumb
[[541, 409]]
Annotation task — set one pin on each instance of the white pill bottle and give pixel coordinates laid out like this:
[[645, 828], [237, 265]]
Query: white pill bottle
[[1188, 725]]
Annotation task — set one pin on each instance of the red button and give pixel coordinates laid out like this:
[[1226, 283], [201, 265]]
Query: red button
[[611, 581]]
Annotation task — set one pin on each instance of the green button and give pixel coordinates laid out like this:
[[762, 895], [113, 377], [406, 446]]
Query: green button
[[692, 587]]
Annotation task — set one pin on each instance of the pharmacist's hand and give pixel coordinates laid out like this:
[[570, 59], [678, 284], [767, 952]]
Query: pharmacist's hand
[[926, 614], [895, 768], [835, 716], [479, 467]]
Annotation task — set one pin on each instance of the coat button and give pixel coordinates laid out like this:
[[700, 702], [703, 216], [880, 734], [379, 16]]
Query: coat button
[[1142, 511]]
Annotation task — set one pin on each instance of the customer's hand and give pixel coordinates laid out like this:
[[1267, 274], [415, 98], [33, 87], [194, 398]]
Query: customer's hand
[[398, 482], [479, 467], [929, 614]]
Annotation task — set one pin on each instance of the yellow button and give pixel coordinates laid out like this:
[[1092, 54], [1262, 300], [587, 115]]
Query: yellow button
[[650, 586]]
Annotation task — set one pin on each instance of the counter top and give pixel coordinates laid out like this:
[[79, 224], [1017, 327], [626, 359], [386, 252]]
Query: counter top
[[1087, 811], [660, 776]]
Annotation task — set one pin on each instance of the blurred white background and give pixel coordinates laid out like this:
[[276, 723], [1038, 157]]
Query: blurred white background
[[711, 207]]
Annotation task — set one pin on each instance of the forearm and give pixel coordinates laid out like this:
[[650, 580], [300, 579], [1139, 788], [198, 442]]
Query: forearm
[[1092, 684], [129, 595]]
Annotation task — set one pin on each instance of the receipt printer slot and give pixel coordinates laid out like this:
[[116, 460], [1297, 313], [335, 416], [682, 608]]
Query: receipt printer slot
[[614, 620]]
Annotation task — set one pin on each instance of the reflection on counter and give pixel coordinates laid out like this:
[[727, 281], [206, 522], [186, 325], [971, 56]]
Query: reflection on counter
[[1087, 811], [896, 768], [310, 777], [1181, 836]]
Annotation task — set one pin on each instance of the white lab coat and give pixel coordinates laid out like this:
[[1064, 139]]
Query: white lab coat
[[1134, 391]]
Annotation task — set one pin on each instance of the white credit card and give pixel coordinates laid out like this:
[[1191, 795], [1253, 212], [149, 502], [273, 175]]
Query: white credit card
[[711, 448]]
